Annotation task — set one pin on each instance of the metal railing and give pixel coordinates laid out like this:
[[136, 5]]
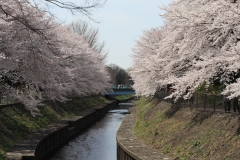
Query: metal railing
[[205, 102], [5, 99]]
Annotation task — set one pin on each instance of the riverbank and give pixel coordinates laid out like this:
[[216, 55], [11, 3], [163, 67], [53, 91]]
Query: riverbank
[[16, 122], [97, 142], [187, 134], [129, 146]]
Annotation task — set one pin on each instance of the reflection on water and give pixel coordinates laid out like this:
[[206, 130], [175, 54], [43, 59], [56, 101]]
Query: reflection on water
[[126, 104], [96, 143]]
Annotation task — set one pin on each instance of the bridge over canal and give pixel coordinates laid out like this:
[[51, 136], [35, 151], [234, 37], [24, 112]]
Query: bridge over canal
[[117, 92]]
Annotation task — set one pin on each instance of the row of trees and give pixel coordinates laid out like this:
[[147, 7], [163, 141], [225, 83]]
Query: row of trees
[[119, 75], [199, 43], [40, 58]]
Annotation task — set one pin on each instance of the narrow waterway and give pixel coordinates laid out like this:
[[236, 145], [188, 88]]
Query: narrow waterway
[[96, 143]]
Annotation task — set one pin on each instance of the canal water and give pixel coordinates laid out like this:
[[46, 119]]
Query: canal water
[[96, 143]]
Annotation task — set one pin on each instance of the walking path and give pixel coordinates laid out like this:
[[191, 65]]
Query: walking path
[[132, 144]]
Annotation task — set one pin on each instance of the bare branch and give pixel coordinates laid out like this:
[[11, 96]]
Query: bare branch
[[91, 35]]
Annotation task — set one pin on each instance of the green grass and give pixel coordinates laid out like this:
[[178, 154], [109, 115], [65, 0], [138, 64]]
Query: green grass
[[123, 97], [180, 137], [16, 122]]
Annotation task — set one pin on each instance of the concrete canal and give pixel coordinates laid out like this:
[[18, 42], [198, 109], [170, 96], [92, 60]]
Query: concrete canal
[[96, 143]]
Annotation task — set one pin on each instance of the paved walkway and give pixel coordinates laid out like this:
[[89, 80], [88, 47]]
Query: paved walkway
[[133, 144]]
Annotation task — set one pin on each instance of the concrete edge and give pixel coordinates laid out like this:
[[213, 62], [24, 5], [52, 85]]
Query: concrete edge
[[27, 150], [129, 146]]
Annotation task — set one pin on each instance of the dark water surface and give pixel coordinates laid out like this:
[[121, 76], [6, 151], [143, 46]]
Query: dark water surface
[[96, 143]]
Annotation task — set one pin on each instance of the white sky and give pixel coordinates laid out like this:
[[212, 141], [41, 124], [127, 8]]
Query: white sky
[[121, 22]]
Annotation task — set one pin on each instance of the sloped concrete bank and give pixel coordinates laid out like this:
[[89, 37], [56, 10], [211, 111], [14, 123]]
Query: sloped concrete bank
[[42, 144], [187, 133], [130, 147]]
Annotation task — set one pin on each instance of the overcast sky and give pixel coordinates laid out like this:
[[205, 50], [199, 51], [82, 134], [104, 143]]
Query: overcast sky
[[121, 23]]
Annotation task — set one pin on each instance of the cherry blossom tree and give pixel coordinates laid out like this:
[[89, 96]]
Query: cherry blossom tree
[[200, 43], [29, 50], [209, 46], [145, 70], [84, 64], [41, 59]]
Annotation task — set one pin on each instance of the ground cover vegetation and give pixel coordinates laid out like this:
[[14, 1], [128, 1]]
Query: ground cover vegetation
[[17, 122], [187, 134], [198, 44], [43, 59], [123, 97]]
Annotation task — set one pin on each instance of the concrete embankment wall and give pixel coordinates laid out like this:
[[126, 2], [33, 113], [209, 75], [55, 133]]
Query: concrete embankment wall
[[43, 143], [130, 147]]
